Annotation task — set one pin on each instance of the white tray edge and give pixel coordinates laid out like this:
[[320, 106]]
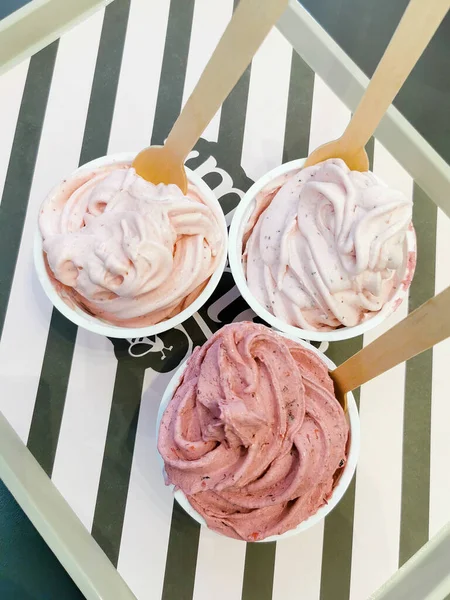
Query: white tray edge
[[425, 576], [37, 24]]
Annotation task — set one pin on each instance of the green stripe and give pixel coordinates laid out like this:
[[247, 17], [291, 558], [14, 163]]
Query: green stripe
[[118, 455], [181, 562], [182, 550], [106, 79], [338, 531], [370, 147], [418, 382], [173, 70], [55, 373], [298, 118], [51, 393], [21, 166], [232, 119], [259, 571]]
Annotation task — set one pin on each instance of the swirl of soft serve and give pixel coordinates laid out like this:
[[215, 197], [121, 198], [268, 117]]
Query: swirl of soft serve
[[254, 434], [133, 253], [323, 246]]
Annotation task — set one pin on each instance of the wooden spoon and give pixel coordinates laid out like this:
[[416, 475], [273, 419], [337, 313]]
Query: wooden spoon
[[415, 30], [423, 328], [251, 22]]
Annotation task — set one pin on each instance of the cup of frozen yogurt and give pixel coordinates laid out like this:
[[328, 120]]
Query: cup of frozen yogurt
[[253, 441], [322, 253], [124, 258]]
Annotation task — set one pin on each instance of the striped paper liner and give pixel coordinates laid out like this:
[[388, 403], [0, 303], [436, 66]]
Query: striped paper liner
[[86, 405]]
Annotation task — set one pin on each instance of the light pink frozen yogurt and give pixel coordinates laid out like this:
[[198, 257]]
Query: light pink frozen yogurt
[[254, 435], [324, 246], [126, 251]]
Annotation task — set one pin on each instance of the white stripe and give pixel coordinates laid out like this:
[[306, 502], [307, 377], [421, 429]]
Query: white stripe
[[376, 525], [203, 326], [203, 42], [220, 567], [148, 512], [298, 564], [29, 310], [267, 105], [440, 407], [11, 90], [81, 442], [137, 90], [329, 116]]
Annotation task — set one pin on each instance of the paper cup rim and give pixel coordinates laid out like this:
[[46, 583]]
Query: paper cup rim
[[241, 216], [96, 325], [342, 484]]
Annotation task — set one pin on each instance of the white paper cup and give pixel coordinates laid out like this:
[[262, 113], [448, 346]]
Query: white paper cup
[[238, 224], [342, 484], [83, 319]]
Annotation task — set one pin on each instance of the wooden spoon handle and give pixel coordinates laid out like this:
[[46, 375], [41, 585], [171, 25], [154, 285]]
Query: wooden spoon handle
[[415, 30], [251, 22], [422, 329]]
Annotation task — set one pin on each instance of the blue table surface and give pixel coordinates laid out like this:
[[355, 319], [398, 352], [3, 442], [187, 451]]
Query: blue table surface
[[28, 568], [9, 6]]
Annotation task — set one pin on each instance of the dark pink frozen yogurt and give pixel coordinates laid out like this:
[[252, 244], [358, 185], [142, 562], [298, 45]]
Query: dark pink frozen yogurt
[[254, 435]]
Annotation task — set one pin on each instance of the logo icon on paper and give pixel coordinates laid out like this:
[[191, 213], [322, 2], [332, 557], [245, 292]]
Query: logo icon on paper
[[144, 345]]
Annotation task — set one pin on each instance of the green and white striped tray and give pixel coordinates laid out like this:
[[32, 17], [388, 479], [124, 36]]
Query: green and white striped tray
[[86, 406]]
